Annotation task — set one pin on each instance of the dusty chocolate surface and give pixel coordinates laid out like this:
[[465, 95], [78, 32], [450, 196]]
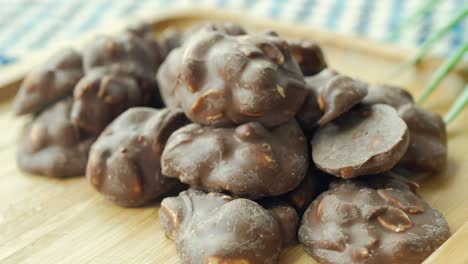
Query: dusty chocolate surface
[[427, 149], [53, 145], [221, 80], [124, 163], [308, 55], [288, 221], [248, 160], [215, 228], [49, 82], [366, 140], [357, 222], [101, 96]]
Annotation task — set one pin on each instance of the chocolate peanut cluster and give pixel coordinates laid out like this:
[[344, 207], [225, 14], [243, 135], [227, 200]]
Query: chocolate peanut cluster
[[257, 127], [372, 222], [74, 96], [217, 228]]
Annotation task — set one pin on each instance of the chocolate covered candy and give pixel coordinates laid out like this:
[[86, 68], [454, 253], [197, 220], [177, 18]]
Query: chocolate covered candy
[[49, 83], [216, 228], [222, 80], [308, 55], [366, 140], [387, 94], [127, 53], [247, 161], [338, 96], [101, 96], [53, 145], [427, 149], [359, 222], [330, 94], [172, 38], [124, 163]]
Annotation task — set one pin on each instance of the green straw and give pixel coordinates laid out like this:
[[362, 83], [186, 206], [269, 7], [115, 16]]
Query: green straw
[[442, 71], [457, 107], [425, 8], [438, 35]]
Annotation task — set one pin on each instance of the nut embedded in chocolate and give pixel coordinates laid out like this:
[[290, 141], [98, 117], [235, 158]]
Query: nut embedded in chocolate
[[124, 163], [427, 149], [308, 55], [215, 228], [53, 145], [366, 140], [49, 83], [223, 80], [100, 97], [247, 161], [357, 222]]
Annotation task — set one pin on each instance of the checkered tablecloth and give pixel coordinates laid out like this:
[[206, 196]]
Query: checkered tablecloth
[[31, 25]]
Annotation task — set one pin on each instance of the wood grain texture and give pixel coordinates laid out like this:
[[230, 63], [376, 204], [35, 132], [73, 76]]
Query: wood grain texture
[[46, 220]]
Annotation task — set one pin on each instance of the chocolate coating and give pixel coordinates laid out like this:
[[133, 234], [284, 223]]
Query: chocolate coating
[[126, 53], [172, 38], [308, 55], [356, 222], [338, 96], [49, 83], [215, 228], [223, 80], [101, 96], [124, 163], [247, 161], [367, 140], [288, 222], [53, 145], [386, 94], [310, 112], [427, 149]]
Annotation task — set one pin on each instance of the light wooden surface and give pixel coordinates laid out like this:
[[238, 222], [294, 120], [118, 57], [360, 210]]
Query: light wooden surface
[[64, 221]]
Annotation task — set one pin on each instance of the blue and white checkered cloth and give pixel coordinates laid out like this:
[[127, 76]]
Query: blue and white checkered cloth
[[31, 25]]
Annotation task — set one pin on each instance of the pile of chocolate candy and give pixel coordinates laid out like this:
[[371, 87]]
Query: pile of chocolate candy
[[257, 127]]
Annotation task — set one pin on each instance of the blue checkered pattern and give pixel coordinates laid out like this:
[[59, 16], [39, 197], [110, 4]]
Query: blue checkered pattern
[[31, 25]]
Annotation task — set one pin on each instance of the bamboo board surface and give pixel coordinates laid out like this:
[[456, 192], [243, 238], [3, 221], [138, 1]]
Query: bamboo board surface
[[46, 220]]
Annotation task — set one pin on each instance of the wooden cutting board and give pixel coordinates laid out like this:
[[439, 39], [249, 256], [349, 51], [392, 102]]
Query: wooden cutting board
[[46, 220]]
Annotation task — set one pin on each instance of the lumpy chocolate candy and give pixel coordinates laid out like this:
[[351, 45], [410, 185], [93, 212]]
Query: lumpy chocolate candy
[[306, 191], [222, 80], [288, 221], [101, 96], [49, 83], [366, 140], [359, 222], [126, 53], [53, 145], [330, 94], [338, 96], [172, 38], [247, 161], [308, 55], [427, 149], [124, 163], [216, 228]]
